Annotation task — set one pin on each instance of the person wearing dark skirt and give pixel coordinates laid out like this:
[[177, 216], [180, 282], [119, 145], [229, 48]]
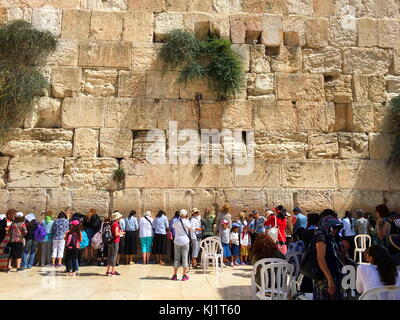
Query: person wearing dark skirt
[[131, 237], [17, 234], [161, 227]]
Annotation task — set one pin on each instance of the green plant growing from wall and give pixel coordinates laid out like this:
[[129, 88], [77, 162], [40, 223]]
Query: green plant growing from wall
[[119, 175], [394, 159], [22, 49], [213, 59]]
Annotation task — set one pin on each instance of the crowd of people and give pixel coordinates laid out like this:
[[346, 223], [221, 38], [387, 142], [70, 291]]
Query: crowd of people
[[77, 239]]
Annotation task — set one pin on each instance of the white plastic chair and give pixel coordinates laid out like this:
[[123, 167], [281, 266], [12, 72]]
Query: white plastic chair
[[295, 260], [361, 246], [275, 281], [382, 293], [211, 251], [262, 262]]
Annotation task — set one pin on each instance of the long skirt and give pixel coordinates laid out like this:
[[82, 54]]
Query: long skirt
[[159, 244], [131, 240]]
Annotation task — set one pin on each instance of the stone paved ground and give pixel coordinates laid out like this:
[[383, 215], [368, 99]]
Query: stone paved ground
[[142, 282]]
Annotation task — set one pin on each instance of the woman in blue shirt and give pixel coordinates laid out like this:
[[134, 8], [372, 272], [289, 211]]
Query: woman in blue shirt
[[161, 227], [131, 228]]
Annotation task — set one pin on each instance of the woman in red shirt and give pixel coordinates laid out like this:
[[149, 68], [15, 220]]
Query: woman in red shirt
[[114, 245], [278, 219]]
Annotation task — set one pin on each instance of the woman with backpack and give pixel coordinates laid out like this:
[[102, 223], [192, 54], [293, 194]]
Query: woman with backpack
[[16, 244], [132, 227], [146, 235], [28, 257], [72, 245], [102, 250], [114, 245]]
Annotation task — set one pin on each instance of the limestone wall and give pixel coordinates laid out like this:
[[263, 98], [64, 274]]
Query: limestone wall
[[318, 83]]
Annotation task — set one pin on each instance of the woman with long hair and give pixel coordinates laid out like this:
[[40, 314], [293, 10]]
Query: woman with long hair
[[92, 224], [380, 272], [383, 225], [5, 224], [161, 227], [131, 229]]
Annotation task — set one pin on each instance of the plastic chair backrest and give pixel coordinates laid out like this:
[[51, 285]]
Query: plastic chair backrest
[[362, 240], [382, 293], [266, 261], [211, 245], [275, 279], [295, 260]]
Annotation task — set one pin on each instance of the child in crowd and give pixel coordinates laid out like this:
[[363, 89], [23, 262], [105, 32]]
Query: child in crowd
[[225, 240], [234, 242], [245, 245], [72, 244]]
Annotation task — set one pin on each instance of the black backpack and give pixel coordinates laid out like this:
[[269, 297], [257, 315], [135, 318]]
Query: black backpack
[[107, 235], [309, 265]]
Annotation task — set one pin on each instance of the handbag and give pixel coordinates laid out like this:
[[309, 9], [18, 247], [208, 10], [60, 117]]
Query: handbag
[[170, 236], [97, 240], [274, 231]]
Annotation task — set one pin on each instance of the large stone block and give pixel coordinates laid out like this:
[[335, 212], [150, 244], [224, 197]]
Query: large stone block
[[326, 61], [315, 116], [138, 27], [210, 116], [280, 145], [396, 60], [116, 142], [131, 85], [289, 60], [84, 200], [227, 7], [353, 145], [144, 175], [365, 60], [179, 199], [37, 148], [58, 200], [301, 7], [383, 118], [162, 84], [360, 117], [317, 32], [238, 31], [3, 171], [237, 114], [276, 197], [66, 81], [126, 200], [72, 19], [312, 201], [323, 146], [35, 172], [274, 116], [323, 8], [388, 31], [259, 61], [100, 82], [245, 199], [308, 174], [342, 32], [272, 30], [197, 88], [367, 32], [243, 50], [294, 30], [46, 114], [260, 84], [206, 175], [203, 199], [165, 22], [114, 54], [145, 58], [4, 200], [393, 84], [105, 25], [392, 200], [184, 112], [381, 145], [266, 174], [66, 53], [344, 200], [86, 143], [28, 200], [40, 134], [339, 89], [297, 86], [369, 88], [89, 173], [146, 145], [155, 199], [83, 112], [47, 19], [15, 13]]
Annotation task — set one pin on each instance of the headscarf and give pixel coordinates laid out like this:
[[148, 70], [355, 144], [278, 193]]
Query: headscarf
[[329, 222], [48, 219]]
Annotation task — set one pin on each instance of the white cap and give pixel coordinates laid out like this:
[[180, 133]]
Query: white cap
[[19, 214], [147, 214], [183, 213], [30, 217]]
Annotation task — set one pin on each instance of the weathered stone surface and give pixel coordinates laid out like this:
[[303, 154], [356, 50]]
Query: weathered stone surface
[[363, 174], [288, 60], [116, 142], [46, 114], [238, 31], [383, 118], [3, 16], [245, 199], [308, 174], [266, 174], [66, 81], [197, 88], [237, 114], [84, 200], [40, 134], [210, 116], [138, 27], [179, 199], [83, 112], [144, 175], [114, 54], [392, 200], [272, 34], [369, 88], [323, 8], [162, 85], [315, 116], [105, 25], [145, 58], [207, 175], [323, 146], [316, 30], [58, 200], [367, 32], [353, 145], [360, 117], [4, 200], [66, 53], [112, 5], [165, 22], [396, 60], [150, 146], [243, 50], [309, 87], [35, 172], [184, 112], [342, 32], [276, 197], [3, 171], [365, 60], [260, 84], [131, 85], [280, 145], [203, 198], [294, 25], [47, 19], [380, 145], [87, 173], [393, 84], [155, 199], [274, 116], [259, 61], [100, 82], [301, 7], [28, 200], [126, 200], [388, 30], [73, 18], [344, 200], [326, 61], [37, 148], [86, 142], [312, 201], [339, 89], [227, 7], [14, 13]]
